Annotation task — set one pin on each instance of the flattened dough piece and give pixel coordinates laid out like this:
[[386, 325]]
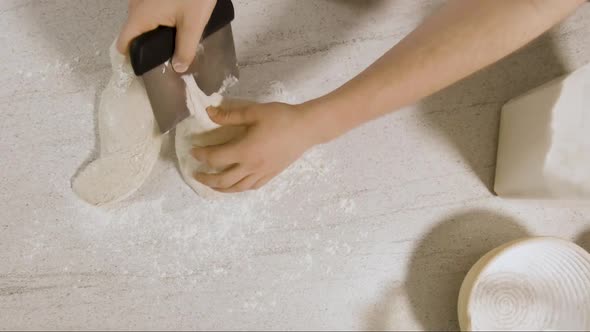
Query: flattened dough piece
[[129, 139], [116, 176], [199, 130]]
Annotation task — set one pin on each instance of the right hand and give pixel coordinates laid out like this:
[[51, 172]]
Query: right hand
[[188, 16], [276, 135]]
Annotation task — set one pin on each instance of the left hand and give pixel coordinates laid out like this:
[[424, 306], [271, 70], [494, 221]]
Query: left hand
[[276, 135], [189, 17]]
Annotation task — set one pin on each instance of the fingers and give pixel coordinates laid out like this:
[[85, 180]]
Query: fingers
[[189, 30], [223, 180], [232, 117], [235, 179], [136, 25], [189, 18], [264, 180], [218, 156], [188, 35], [246, 183]]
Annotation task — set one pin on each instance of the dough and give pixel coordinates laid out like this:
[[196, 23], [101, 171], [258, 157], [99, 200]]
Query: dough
[[130, 140], [199, 130]]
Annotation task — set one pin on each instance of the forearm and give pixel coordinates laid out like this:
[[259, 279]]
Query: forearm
[[462, 38]]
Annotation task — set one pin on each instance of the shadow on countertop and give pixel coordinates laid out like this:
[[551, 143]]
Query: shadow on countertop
[[438, 266], [335, 20], [467, 114], [584, 240], [81, 32], [84, 30]]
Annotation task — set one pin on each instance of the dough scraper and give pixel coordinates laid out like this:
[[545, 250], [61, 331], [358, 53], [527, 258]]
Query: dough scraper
[[151, 54]]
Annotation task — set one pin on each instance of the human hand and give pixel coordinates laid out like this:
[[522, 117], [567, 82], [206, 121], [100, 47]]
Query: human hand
[[188, 16], [276, 135]]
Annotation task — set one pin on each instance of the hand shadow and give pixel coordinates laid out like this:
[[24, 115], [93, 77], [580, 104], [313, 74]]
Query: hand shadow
[[80, 32], [438, 266], [269, 58], [467, 114], [77, 30]]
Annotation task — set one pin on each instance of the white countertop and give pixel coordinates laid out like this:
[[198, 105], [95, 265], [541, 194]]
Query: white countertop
[[375, 230]]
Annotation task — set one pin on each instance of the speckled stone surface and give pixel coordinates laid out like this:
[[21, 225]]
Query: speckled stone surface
[[375, 230]]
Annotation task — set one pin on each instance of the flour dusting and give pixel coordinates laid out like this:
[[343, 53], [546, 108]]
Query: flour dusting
[[280, 93], [204, 238], [227, 83], [166, 233], [123, 74]]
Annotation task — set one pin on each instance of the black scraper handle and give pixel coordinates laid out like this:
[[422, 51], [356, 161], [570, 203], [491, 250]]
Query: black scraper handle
[[155, 47]]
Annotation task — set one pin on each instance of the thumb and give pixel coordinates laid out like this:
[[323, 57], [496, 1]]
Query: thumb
[[188, 35], [232, 117]]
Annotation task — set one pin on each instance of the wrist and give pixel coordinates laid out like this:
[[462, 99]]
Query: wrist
[[328, 117], [318, 126]]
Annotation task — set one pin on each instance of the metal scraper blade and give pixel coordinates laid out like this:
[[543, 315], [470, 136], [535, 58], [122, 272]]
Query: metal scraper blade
[[212, 66], [217, 62], [167, 93]]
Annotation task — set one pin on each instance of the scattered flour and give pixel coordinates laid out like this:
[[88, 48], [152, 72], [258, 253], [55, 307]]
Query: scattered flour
[[279, 92], [55, 69], [347, 205], [204, 238], [166, 233], [227, 83]]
